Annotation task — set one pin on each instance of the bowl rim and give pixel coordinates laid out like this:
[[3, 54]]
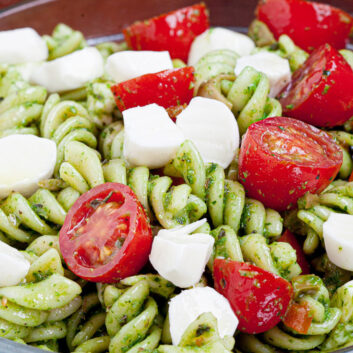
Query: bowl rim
[[7, 345]]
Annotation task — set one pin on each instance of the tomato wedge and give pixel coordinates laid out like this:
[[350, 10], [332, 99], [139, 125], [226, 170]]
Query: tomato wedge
[[174, 31], [166, 88], [320, 92], [106, 235], [281, 159], [309, 24], [259, 298], [290, 238], [298, 318]]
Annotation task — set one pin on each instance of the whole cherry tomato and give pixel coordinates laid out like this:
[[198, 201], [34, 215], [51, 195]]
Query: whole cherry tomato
[[174, 31], [168, 88], [309, 24], [282, 158], [258, 298], [290, 238], [320, 91], [106, 235]]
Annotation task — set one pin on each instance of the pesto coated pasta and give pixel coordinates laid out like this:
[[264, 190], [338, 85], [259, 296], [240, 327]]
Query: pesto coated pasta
[[90, 232]]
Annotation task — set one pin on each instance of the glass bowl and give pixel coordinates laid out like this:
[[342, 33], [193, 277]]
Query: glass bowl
[[102, 20]]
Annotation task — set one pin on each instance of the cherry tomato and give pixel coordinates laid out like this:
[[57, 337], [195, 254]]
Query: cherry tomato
[[309, 24], [259, 298], [281, 159], [290, 238], [106, 235], [351, 177], [174, 31], [320, 91], [175, 110], [166, 88], [298, 318]]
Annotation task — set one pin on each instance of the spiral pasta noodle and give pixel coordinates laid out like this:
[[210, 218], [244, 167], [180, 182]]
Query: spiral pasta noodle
[[278, 257], [315, 210], [130, 320], [34, 312], [246, 95], [213, 64], [225, 199], [64, 40], [22, 103]]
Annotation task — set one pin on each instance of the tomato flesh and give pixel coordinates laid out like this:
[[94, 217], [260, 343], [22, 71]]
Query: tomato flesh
[[309, 24], [298, 318], [106, 235], [174, 31], [320, 91], [259, 298], [281, 159], [168, 88], [290, 238]]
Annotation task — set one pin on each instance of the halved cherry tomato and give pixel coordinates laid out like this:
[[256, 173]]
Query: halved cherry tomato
[[166, 88], [174, 31], [281, 159], [298, 318], [106, 235], [258, 298], [290, 238], [320, 92], [309, 24], [175, 110]]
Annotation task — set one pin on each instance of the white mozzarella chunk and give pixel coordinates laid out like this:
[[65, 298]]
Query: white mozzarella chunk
[[151, 138], [180, 257], [211, 126], [273, 66], [26, 70], [22, 45], [70, 71], [125, 65], [25, 160], [14, 266], [219, 38], [338, 237], [186, 307]]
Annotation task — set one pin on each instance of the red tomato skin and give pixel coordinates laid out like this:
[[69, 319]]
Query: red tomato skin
[[174, 31], [309, 24], [133, 254], [351, 178], [298, 318], [320, 91], [279, 182], [258, 298], [166, 88], [290, 238]]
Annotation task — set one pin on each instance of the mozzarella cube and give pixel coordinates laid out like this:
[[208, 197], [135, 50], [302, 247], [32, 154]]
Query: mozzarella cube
[[22, 45], [125, 65], [151, 138], [186, 307], [70, 71], [180, 257], [211, 126], [25, 160], [219, 38], [338, 237], [14, 266], [273, 66]]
